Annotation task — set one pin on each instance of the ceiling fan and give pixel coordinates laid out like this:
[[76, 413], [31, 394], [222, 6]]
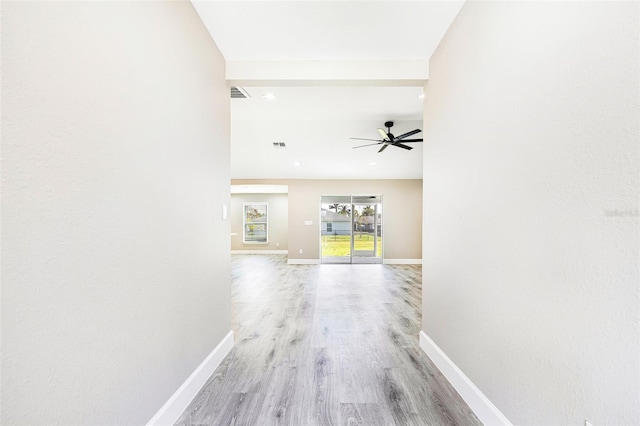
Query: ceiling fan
[[389, 139]]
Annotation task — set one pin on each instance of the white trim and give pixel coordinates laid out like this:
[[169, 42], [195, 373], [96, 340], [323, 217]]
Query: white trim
[[180, 400], [259, 251], [402, 261], [407, 72], [484, 409], [303, 261], [259, 189]]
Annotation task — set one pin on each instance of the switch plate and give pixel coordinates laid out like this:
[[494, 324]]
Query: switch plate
[[300, 251], [308, 222], [224, 212]]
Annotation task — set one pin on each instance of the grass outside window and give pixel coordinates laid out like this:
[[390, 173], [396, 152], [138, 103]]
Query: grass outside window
[[340, 245]]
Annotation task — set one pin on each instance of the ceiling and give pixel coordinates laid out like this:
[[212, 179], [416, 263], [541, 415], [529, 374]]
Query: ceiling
[[341, 71]]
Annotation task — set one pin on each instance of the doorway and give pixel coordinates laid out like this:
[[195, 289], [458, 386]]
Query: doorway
[[351, 229]]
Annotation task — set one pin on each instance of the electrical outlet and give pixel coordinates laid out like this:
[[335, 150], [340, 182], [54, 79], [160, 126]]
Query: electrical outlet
[[300, 251], [277, 244]]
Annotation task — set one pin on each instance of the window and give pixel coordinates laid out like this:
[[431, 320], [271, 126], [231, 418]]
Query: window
[[329, 226], [255, 223]]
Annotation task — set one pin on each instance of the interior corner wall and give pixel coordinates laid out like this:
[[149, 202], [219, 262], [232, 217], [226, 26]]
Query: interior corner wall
[[278, 221], [401, 220], [115, 165], [531, 223]]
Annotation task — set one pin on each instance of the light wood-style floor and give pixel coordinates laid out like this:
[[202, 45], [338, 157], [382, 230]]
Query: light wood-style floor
[[326, 345]]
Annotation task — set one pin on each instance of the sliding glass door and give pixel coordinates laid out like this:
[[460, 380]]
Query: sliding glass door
[[351, 229], [335, 229], [367, 229]]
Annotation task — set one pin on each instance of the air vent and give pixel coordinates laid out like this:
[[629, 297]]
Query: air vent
[[279, 145], [238, 93]]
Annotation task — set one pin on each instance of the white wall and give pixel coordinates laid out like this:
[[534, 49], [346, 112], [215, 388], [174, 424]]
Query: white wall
[[531, 282], [115, 163]]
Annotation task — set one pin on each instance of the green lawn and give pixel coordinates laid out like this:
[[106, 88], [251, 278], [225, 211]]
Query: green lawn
[[339, 245]]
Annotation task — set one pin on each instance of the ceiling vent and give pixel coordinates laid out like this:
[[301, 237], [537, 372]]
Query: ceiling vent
[[279, 145], [238, 93]]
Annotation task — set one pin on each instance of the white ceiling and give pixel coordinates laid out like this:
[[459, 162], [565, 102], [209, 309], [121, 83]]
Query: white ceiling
[[330, 103], [316, 119], [316, 123], [327, 30]]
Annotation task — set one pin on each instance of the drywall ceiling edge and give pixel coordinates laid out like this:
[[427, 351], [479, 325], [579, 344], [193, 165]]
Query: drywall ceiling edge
[[259, 189]]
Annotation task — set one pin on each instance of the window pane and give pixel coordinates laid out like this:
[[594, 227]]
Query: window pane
[[256, 213], [256, 223], [256, 232]]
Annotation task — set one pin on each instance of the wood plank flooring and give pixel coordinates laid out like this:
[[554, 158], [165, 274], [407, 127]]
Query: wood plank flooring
[[326, 345]]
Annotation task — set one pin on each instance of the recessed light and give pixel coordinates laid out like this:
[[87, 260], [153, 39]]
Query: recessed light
[[373, 164], [269, 96], [421, 96]]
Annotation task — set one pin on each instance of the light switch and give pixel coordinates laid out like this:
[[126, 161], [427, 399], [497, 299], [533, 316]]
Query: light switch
[[308, 222], [224, 212]]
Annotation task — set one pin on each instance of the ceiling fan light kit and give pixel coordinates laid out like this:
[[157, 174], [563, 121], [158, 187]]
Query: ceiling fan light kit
[[389, 139]]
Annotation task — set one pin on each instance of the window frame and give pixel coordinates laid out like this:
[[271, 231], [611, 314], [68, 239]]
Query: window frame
[[258, 206]]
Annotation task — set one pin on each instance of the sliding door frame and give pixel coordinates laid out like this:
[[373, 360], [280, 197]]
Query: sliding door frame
[[378, 229]]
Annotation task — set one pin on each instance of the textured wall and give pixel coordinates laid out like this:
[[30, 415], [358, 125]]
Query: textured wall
[[531, 192], [278, 221], [402, 213], [115, 163]]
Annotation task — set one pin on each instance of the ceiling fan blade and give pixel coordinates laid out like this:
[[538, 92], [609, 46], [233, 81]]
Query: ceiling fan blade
[[399, 145], [411, 140], [384, 135], [383, 147], [369, 144], [405, 135], [366, 139]]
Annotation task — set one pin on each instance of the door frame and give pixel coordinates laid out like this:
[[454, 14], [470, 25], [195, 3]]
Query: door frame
[[378, 230]]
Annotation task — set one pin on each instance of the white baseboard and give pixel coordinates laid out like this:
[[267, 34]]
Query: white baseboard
[[484, 409], [402, 261], [180, 400], [259, 251], [303, 261]]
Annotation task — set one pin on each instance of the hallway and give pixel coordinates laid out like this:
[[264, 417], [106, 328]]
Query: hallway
[[326, 344]]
